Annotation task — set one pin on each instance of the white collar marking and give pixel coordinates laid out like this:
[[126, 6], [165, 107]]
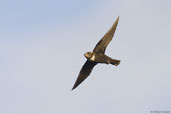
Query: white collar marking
[[93, 58]]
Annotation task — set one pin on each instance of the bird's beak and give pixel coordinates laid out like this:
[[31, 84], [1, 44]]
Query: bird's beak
[[85, 54]]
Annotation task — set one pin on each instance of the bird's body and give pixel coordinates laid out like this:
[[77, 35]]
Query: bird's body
[[98, 56], [102, 58]]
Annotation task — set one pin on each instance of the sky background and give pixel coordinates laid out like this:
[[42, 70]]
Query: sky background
[[42, 43]]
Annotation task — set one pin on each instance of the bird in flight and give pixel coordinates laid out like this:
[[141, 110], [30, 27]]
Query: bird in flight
[[97, 56]]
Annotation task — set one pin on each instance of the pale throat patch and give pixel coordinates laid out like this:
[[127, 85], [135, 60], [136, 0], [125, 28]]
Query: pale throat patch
[[92, 58]]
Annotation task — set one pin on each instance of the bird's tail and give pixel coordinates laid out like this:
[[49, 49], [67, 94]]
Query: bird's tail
[[115, 62]]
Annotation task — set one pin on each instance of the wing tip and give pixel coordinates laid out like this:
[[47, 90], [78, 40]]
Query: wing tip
[[75, 85], [73, 88], [117, 20]]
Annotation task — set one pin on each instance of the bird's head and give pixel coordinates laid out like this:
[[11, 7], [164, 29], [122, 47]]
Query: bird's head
[[88, 55]]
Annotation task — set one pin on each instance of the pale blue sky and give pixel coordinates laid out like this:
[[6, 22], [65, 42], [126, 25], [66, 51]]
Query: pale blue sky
[[41, 53]]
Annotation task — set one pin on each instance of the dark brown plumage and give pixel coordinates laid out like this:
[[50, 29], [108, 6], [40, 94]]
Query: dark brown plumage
[[97, 56]]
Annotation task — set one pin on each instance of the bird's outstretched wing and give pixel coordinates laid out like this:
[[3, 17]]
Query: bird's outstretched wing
[[84, 73], [102, 44]]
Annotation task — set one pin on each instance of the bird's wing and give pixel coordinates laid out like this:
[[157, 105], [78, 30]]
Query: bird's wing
[[84, 73], [102, 44]]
